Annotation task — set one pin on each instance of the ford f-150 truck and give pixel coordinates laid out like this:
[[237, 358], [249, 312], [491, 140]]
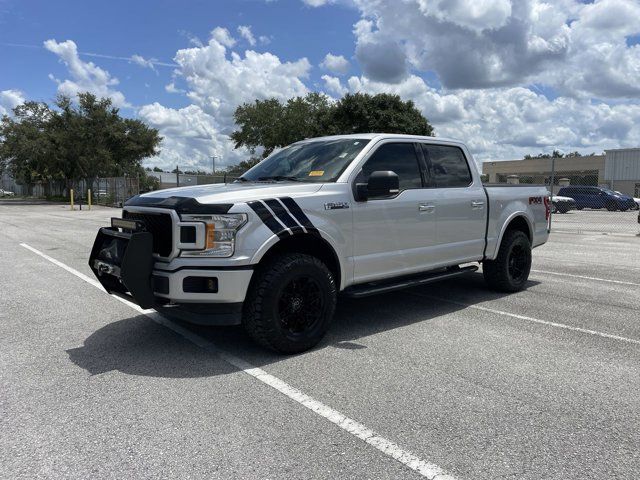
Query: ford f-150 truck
[[356, 214]]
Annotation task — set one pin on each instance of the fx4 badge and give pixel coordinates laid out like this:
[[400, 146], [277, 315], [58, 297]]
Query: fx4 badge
[[335, 205], [535, 200]]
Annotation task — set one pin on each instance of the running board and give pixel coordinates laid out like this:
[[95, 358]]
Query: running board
[[384, 286]]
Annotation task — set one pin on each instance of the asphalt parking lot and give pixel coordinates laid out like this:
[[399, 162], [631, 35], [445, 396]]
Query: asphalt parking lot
[[542, 384]]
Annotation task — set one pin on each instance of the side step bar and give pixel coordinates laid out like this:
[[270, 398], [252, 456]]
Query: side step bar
[[384, 286]]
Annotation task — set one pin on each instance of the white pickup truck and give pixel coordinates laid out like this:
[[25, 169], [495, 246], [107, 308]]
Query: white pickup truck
[[355, 214]]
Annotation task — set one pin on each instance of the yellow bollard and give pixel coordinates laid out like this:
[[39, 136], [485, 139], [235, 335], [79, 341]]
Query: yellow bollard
[[89, 198], [71, 197]]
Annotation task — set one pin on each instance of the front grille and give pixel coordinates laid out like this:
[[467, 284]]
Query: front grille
[[160, 226]]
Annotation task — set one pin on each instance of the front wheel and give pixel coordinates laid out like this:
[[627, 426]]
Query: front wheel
[[290, 304], [509, 271]]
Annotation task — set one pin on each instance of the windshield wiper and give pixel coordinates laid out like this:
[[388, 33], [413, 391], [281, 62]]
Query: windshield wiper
[[280, 177], [241, 179]]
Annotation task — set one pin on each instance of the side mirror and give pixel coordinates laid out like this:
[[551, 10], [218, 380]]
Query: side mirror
[[381, 184]]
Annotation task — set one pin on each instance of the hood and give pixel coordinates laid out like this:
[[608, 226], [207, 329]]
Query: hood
[[233, 192]]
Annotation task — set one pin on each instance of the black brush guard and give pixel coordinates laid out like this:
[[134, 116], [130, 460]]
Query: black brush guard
[[123, 261]]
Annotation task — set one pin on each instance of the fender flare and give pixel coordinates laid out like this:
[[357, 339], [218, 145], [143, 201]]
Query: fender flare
[[275, 240], [506, 224]]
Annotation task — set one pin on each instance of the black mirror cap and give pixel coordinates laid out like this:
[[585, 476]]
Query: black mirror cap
[[383, 184]]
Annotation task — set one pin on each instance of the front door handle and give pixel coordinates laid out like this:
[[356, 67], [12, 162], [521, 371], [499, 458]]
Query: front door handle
[[423, 207], [477, 205]]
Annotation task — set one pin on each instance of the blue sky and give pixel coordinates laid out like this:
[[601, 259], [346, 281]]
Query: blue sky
[[508, 77], [124, 28]]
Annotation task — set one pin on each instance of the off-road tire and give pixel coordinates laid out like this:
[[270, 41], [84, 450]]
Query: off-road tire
[[499, 273], [272, 281]]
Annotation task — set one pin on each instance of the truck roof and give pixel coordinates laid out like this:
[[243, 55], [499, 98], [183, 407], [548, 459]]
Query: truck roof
[[371, 136]]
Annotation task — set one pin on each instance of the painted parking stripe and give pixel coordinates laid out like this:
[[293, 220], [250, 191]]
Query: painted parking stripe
[[357, 429], [531, 319], [268, 219], [571, 275]]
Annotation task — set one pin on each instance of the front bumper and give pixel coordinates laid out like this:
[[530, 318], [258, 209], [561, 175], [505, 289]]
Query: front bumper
[[124, 264]]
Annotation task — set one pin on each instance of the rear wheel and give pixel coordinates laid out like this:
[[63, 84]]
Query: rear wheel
[[611, 206], [509, 271], [290, 304]]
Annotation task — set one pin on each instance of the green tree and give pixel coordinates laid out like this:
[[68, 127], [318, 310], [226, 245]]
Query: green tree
[[25, 143], [239, 169], [75, 140], [259, 125], [270, 124], [384, 113]]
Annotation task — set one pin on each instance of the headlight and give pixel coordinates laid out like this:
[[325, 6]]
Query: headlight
[[220, 234]]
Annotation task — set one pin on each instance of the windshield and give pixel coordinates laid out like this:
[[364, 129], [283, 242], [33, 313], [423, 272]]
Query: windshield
[[317, 161]]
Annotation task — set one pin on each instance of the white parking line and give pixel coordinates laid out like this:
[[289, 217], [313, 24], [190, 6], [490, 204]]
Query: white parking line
[[531, 319], [422, 467], [619, 282]]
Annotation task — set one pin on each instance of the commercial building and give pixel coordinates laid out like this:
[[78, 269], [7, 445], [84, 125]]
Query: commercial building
[[618, 169]]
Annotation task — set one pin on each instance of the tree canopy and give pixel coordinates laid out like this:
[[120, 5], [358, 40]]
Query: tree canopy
[[74, 140], [271, 124]]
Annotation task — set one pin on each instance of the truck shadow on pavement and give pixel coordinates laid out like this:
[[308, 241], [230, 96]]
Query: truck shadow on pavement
[[139, 346]]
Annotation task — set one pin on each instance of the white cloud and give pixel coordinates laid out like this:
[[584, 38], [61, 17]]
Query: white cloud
[[579, 49], [476, 14], [245, 32], [333, 85], [85, 76], [143, 62], [9, 99], [317, 3], [219, 80], [220, 35], [336, 64], [506, 123], [190, 138], [216, 81]]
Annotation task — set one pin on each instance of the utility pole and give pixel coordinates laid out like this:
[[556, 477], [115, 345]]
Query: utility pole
[[177, 176], [213, 165]]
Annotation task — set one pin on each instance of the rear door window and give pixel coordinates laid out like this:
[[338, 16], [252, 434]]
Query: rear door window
[[449, 166]]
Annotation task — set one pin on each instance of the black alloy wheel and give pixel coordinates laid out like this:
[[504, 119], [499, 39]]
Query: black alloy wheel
[[300, 305], [517, 263], [290, 303]]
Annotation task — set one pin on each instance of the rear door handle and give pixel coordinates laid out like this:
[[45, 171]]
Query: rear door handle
[[423, 207], [477, 205]]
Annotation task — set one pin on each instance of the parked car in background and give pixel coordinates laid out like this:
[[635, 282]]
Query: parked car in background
[[597, 197], [562, 204], [6, 193], [637, 200]]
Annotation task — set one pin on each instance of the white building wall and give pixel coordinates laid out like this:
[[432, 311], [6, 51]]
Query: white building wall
[[622, 164]]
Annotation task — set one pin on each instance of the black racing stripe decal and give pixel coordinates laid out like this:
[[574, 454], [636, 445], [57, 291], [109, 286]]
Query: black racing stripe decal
[[297, 212], [268, 219], [283, 215]]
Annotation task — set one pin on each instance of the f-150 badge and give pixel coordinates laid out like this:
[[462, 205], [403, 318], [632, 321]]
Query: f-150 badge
[[335, 205]]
